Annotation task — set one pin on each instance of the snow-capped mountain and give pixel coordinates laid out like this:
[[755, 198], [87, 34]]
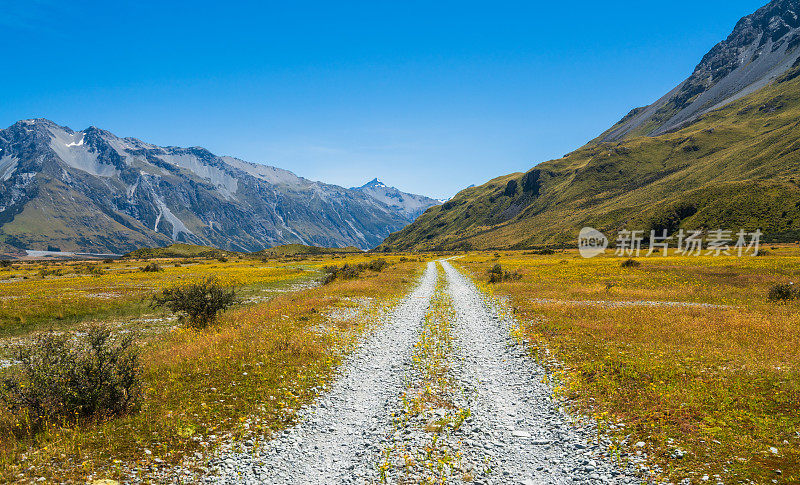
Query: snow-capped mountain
[[411, 205], [92, 191]]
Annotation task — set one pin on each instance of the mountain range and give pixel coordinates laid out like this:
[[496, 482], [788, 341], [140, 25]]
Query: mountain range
[[91, 191], [719, 151]]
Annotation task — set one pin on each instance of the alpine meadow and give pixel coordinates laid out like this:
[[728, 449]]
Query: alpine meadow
[[176, 308]]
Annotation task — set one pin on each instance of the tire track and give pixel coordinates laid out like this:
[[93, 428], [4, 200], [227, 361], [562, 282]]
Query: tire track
[[514, 420], [338, 437]]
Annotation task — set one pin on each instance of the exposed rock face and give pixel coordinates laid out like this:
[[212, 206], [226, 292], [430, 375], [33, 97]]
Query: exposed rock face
[[761, 48], [91, 191]]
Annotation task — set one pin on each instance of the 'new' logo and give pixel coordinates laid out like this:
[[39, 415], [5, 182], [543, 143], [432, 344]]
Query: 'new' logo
[[591, 242]]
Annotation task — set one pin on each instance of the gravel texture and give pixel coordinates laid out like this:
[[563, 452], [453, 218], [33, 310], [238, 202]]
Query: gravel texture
[[338, 438], [514, 420], [515, 432]]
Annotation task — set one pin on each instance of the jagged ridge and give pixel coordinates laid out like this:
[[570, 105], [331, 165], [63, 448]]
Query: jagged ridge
[[92, 191]]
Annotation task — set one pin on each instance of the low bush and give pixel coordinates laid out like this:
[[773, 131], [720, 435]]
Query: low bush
[[377, 265], [197, 303], [45, 272], [93, 269], [151, 268], [783, 293], [5, 263], [497, 275], [630, 263], [352, 271], [64, 378]]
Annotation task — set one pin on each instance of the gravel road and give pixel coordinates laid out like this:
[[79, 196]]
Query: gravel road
[[515, 434], [527, 438], [337, 440]]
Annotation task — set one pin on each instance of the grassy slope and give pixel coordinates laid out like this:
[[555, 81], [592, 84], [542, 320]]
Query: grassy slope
[[181, 250], [301, 249], [734, 168]]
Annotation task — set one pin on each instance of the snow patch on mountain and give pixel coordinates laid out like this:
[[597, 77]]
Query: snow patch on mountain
[[77, 155], [78, 144]]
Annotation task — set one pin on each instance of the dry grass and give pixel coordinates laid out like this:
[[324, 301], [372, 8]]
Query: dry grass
[[38, 295], [721, 384], [243, 378]]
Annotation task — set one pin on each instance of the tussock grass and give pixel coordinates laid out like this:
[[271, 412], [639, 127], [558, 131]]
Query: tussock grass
[[718, 385]]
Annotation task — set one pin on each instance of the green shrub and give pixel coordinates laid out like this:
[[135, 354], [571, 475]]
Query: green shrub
[[61, 378], [351, 271], [151, 268], [497, 275], [630, 263], [5, 263], [783, 293], [94, 269], [197, 303], [377, 265], [45, 272]]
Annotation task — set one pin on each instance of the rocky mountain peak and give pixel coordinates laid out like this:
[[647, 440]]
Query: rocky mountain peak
[[762, 47], [373, 183]]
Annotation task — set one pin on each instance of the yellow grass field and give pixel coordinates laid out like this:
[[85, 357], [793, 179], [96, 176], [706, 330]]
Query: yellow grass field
[[708, 389], [244, 377], [681, 359]]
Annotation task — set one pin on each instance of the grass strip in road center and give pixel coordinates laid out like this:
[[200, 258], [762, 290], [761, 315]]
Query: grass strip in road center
[[422, 447]]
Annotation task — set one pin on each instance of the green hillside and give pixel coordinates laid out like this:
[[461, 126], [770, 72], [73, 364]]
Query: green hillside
[[181, 250], [737, 167], [303, 250]]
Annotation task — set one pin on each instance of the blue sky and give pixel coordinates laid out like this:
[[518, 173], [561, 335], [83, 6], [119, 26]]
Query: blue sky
[[429, 96]]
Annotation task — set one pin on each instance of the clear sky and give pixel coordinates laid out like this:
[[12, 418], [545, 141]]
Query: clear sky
[[429, 96]]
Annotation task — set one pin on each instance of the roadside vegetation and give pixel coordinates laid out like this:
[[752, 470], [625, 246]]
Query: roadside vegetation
[[705, 387], [497, 275], [242, 377], [66, 380]]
